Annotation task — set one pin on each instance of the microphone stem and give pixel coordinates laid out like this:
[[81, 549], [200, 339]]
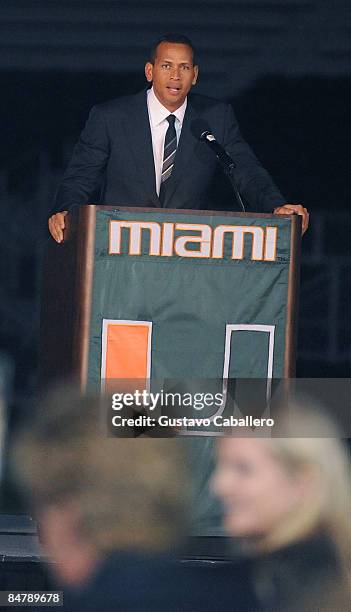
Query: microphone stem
[[229, 171]]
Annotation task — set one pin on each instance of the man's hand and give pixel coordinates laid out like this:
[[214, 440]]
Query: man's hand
[[290, 209], [57, 225]]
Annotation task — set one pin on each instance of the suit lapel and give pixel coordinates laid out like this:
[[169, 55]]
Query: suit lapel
[[138, 134], [184, 152]]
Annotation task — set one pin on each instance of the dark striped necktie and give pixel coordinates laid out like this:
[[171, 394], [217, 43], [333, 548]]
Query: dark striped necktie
[[170, 149]]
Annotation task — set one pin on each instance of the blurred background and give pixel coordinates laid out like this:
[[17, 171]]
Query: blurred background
[[284, 64]]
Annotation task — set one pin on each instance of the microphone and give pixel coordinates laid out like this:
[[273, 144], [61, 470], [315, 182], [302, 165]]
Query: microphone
[[221, 154], [202, 131]]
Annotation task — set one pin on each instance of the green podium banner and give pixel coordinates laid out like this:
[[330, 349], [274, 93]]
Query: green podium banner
[[211, 292]]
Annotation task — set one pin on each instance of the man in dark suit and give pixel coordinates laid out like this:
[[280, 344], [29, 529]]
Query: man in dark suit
[[143, 150]]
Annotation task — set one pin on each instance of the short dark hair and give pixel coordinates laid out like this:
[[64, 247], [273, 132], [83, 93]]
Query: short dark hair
[[126, 494], [171, 37]]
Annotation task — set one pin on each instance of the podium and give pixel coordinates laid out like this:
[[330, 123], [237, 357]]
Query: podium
[[148, 293], [200, 281]]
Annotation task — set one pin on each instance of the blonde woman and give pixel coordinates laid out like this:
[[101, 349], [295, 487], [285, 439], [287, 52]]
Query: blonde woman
[[288, 500]]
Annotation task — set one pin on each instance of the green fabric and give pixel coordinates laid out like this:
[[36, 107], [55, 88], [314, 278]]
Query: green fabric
[[189, 302]]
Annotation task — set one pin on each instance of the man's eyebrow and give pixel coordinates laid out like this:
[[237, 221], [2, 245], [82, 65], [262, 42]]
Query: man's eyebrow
[[168, 61]]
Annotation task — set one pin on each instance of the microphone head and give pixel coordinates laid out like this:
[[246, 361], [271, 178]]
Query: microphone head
[[207, 136], [204, 135]]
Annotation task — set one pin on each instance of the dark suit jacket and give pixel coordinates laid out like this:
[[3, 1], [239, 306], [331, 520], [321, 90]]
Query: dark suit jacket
[[131, 582], [114, 155]]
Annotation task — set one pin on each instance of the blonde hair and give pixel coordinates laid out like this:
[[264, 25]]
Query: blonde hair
[[318, 453], [129, 492]]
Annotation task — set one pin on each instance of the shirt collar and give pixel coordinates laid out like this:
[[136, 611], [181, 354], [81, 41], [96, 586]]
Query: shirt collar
[[158, 112]]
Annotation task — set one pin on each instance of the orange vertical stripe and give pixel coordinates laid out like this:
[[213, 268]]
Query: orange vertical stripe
[[127, 351]]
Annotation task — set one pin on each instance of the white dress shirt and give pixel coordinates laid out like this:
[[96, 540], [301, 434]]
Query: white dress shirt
[[158, 123]]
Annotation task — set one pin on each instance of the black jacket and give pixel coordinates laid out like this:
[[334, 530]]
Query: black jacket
[[306, 576], [114, 158], [133, 582]]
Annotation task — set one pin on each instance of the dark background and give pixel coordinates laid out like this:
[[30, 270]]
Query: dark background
[[285, 66]]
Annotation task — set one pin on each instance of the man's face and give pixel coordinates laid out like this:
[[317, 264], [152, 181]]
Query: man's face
[[172, 74]]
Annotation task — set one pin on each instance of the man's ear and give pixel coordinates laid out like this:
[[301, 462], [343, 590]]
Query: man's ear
[[149, 68], [196, 70]]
